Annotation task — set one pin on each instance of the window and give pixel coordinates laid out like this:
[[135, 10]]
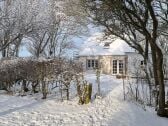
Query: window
[[88, 64], [118, 66], [114, 66], [121, 66], [92, 63]]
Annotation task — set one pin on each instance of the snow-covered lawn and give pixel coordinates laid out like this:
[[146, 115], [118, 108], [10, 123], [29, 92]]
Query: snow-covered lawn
[[110, 110]]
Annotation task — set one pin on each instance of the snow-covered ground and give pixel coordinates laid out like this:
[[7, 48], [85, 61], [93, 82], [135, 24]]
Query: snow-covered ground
[[110, 110]]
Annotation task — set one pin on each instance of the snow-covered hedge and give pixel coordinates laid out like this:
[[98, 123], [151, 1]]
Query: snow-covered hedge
[[31, 69]]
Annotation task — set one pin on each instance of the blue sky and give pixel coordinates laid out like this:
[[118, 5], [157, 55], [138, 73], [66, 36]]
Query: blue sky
[[24, 52]]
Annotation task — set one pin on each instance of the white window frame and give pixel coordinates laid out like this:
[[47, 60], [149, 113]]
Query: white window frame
[[121, 66], [118, 67], [92, 63], [115, 67]]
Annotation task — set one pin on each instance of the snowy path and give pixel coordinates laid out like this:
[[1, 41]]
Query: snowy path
[[108, 111]]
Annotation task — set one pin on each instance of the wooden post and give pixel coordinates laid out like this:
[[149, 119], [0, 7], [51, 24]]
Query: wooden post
[[123, 86]]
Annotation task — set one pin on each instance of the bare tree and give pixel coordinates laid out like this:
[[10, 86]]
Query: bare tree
[[55, 30], [17, 20], [39, 41]]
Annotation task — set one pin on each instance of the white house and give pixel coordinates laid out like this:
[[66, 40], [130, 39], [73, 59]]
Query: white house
[[113, 57]]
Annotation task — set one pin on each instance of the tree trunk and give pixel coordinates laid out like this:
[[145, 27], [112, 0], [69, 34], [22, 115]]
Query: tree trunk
[[60, 89], [67, 90], [157, 58], [18, 44], [34, 85], [98, 94], [44, 90], [161, 110], [148, 77], [4, 53], [79, 92], [24, 86]]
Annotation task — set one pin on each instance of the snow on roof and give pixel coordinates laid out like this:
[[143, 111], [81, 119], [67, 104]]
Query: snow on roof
[[94, 46]]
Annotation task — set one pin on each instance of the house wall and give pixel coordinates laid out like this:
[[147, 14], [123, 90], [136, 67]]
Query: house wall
[[132, 64], [105, 62], [83, 61], [134, 67]]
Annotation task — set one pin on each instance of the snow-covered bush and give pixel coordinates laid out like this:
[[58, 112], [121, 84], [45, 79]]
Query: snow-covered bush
[[40, 73]]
